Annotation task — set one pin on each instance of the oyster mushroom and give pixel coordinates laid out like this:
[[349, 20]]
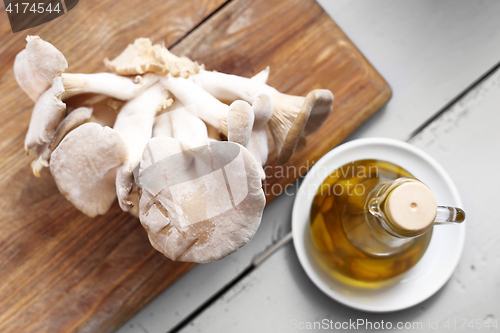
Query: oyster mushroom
[[234, 121], [293, 116], [84, 167], [36, 66], [72, 121], [199, 204], [181, 123], [144, 57], [134, 124]]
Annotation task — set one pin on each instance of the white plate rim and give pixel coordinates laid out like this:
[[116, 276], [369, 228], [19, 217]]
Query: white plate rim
[[303, 201]]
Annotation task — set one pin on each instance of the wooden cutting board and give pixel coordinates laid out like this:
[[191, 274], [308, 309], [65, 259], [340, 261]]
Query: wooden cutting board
[[61, 271]]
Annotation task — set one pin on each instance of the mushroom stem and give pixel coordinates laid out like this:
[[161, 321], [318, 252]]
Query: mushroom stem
[[163, 123], [135, 120], [234, 121], [293, 116], [258, 143], [108, 84], [208, 107], [134, 124], [37, 65], [231, 87], [181, 123], [72, 121]]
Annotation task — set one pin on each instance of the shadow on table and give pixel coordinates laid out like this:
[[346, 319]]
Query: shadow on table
[[341, 313]]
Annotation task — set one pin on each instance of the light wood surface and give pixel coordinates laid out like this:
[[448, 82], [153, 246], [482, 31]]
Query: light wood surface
[[281, 295], [64, 272], [430, 52]]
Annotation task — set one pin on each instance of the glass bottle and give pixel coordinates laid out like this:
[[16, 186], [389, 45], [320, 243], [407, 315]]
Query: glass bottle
[[370, 226]]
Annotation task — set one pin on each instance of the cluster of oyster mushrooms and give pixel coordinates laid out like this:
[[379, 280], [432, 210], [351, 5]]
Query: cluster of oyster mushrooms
[[180, 147]]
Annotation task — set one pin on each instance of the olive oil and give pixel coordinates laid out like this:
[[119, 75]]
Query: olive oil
[[348, 241]]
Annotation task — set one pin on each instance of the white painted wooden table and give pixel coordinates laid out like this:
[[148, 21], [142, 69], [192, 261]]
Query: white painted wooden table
[[440, 57]]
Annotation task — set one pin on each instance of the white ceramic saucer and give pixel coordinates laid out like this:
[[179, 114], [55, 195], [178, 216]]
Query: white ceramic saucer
[[441, 257]]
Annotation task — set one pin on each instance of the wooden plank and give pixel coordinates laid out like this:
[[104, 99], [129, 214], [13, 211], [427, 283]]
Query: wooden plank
[[60, 270], [465, 141], [306, 50], [71, 273]]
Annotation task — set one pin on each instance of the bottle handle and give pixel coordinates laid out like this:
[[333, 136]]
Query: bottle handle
[[447, 215]]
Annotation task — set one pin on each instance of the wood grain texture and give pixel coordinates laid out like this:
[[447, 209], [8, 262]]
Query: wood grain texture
[[306, 50], [62, 271]]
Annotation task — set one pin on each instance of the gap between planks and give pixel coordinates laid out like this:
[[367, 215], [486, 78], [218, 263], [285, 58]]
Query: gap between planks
[[201, 23], [453, 101]]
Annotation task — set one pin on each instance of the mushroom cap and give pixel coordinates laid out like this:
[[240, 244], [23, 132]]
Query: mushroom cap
[[199, 204], [137, 58], [36, 66], [240, 119], [143, 57], [47, 114], [287, 131], [174, 65], [301, 144], [320, 101], [317, 102], [84, 167], [74, 119]]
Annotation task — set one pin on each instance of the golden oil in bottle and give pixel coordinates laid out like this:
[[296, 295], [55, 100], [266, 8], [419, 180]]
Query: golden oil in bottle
[[339, 214]]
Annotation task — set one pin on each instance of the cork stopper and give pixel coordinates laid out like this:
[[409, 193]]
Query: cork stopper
[[411, 206]]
